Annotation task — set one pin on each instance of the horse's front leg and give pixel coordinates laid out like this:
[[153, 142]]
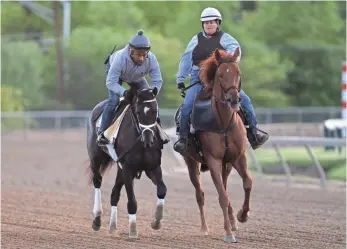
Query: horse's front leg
[[226, 170], [215, 166], [157, 178], [128, 178], [115, 195], [242, 169]]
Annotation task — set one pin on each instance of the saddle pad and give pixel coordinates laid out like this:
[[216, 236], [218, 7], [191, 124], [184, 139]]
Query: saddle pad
[[112, 131], [203, 118]]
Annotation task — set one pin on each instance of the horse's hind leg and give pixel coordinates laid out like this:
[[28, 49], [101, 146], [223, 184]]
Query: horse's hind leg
[[99, 162], [157, 178], [97, 208], [225, 175], [242, 169], [115, 195], [194, 175], [132, 204]]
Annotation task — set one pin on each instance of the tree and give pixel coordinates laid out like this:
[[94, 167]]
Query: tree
[[22, 73]]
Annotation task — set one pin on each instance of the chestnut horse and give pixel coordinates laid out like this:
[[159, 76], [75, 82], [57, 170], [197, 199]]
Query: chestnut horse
[[226, 147]]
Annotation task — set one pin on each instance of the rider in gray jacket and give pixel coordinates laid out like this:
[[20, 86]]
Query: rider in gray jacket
[[130, 64]]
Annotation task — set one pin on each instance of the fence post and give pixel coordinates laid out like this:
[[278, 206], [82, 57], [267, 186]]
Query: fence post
[[26, 126], [255, 161], [57, 121], [284, 164], [323, 181]]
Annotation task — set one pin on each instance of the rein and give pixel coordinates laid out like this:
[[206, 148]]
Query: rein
[[138, 127], [231, 123], [226, 102]]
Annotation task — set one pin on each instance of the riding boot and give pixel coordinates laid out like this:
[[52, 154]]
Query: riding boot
[[163, 136], [256, 137], [106, 120], [181, 145]]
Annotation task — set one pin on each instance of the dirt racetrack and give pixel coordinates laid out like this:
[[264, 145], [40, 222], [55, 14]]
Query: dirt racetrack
[[47, 203]]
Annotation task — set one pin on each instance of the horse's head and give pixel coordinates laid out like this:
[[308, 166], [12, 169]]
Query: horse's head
[[221, 74], [146, 109]]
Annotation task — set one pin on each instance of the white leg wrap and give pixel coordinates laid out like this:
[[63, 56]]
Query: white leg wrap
[[132, 218], [161, 202], [97, 210]]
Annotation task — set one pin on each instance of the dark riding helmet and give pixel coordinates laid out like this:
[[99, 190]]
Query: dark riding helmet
[[140, 41]]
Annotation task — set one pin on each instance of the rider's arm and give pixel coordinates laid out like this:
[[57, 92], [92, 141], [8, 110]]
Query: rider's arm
[[186, 63], [230, 44], [154, 72], [113, 76]]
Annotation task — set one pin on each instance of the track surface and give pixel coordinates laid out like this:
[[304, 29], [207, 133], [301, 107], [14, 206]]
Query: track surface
[[47, 203]]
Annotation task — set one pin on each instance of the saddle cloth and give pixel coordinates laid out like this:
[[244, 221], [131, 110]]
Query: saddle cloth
[[112, 131]]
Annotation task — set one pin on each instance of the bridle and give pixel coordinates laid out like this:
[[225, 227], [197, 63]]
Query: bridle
[[149, 127], [226, 90], [227, 101]]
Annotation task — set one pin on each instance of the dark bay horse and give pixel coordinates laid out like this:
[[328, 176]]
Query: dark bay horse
[[138, 147], [224, 147]]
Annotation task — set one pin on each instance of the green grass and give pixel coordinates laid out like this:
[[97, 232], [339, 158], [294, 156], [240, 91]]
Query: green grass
[[333, 163]]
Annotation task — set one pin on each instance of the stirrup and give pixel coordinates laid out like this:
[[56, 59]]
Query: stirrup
[[101, 139], [185, 142]]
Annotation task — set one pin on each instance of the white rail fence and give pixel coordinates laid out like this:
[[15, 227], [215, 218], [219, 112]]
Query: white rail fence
[[277, 142], [77, 119]]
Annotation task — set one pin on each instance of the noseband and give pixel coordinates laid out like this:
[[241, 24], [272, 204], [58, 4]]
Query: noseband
[[149, 127]]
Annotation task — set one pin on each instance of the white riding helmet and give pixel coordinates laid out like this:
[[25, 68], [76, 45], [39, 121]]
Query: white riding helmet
[[210, 14]]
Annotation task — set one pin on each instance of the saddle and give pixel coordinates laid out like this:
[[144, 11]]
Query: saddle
[[202, 118], [111, 132]]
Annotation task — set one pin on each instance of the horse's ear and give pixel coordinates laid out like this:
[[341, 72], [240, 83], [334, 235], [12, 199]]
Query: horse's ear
[[217, 56], [236, 54]]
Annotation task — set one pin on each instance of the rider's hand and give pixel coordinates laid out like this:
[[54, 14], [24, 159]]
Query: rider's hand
[[128, 96], [181, 86], [155, 91]]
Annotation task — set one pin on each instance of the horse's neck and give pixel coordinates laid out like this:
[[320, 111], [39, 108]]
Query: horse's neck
[[130, 122], [223, 112]]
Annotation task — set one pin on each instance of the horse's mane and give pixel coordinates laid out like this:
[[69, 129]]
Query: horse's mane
[[208, 69]]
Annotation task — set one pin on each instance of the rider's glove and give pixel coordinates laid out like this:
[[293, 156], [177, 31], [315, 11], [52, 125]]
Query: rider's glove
[[128, 96], [181, 86]]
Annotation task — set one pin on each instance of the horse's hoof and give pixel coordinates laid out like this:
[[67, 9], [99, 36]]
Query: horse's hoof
[[156, 224], [159, 212], [132, 230], [96, 223], [241, 217], [230, 239], [204, 231], [112, 227]]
